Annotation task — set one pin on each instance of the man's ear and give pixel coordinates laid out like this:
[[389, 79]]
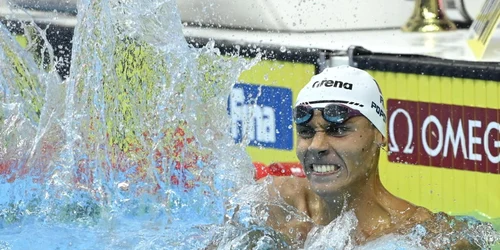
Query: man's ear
[[380, 139]]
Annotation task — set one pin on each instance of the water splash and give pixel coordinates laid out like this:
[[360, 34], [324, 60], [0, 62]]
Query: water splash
[[147, 115], [137, 132], [335, 235]]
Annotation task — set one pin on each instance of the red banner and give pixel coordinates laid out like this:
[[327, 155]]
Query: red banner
[[440, 135]]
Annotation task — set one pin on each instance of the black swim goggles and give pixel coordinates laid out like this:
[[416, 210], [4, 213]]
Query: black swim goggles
[[333, 113]]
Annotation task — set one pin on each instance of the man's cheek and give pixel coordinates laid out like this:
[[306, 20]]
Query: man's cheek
[[300, 152]]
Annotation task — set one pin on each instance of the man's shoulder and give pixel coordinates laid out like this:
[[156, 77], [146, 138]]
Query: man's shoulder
[[422, 214], [440, 230], [287, 186], [295, 191]]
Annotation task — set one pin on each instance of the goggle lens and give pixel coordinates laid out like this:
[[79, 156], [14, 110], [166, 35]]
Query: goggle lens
[[333, 113]]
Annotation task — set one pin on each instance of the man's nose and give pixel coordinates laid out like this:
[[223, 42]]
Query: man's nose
[[319, 144]]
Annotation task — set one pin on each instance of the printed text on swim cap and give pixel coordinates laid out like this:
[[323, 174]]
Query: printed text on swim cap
[[331, 83], [379, 111]]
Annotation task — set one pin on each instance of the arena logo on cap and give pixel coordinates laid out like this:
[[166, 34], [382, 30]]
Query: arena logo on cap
[[332, 83], [262, 115], [441, 135]]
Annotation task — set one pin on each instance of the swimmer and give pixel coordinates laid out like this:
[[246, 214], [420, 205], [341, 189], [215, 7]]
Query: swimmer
[[341, 127]]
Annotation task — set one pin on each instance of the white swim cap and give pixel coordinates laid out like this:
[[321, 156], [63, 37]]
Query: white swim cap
[[349, 86]]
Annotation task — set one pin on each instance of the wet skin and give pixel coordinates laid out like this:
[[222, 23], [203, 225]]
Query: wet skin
[[348, 152], [341, 165]]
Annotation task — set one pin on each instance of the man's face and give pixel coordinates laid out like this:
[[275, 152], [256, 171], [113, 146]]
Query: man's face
[[337, 158]]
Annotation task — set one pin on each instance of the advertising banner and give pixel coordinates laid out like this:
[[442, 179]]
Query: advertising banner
[[260, 107], [444, 141], [443, 121]]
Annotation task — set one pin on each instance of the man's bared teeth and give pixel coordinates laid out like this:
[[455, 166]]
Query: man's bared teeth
[[325, 168]]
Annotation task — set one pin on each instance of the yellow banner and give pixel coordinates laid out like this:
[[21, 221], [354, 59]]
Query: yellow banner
[[453, 165], [260, 108], [446, 152], [454, 168]]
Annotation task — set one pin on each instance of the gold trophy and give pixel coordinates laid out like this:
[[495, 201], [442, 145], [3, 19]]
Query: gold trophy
[[428, 16]]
